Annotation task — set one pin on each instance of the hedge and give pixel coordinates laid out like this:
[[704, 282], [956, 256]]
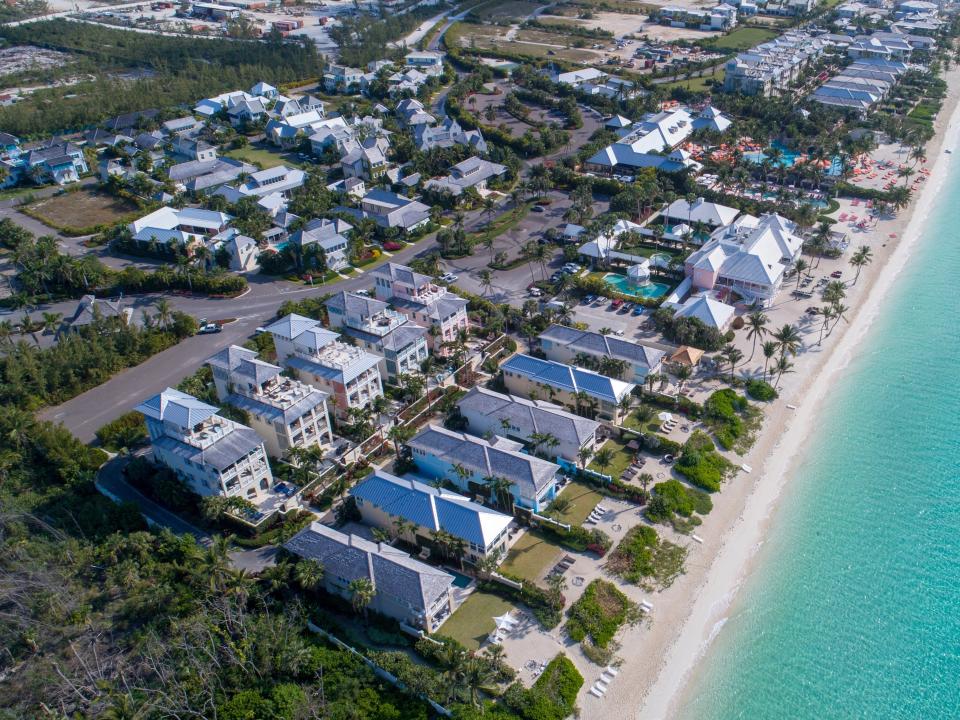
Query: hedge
[[552, 697], [126, 431]]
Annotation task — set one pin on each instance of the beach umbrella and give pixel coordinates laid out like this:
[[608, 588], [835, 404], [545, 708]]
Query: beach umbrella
[[665, 416]]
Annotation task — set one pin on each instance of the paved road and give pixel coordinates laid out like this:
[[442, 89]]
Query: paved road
[[84, 414], [112, 483]]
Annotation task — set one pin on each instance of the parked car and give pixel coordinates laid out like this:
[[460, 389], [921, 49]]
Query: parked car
[[449, 277], [589, 299], [626, 307], [637, 310], [209, 329], [572, 267], [535, 292], [836, 274], [537, 208], [616, 303]]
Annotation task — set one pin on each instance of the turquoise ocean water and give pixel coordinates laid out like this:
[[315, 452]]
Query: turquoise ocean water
[[854, 608]]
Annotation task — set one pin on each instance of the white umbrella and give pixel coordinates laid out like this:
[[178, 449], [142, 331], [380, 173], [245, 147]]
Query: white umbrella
[[665, 416], [504, 622]]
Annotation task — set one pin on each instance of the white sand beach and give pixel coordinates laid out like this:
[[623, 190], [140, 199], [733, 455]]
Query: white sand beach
[[660, 658]]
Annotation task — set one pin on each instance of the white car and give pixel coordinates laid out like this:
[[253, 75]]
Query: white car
[[448, 277]]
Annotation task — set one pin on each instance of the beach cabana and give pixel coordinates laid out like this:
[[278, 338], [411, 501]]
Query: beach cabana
[[686, 355]]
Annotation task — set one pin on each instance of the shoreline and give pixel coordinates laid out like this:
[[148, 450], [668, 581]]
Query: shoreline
[[661, 660]]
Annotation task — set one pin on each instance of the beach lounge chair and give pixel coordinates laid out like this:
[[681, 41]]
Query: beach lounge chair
[[595, 692]]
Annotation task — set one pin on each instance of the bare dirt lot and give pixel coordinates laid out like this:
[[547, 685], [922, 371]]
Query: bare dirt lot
[[81, 210]]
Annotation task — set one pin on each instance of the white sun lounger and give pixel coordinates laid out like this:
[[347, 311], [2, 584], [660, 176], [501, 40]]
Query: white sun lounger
[[612, 670], [595, 692], [600, 685]]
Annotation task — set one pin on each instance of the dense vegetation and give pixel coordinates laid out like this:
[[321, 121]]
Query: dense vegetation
[[674, 502], [732, 419], [596, 617], [181, 70], [701, 464], [644, 559], [363, 39]]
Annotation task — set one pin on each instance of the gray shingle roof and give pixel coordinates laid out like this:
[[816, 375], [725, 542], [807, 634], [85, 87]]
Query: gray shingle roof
[[529, 416], [593, 343], [350, 557], [233, 446]]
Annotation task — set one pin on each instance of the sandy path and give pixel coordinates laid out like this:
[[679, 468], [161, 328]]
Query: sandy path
[[660, 659]]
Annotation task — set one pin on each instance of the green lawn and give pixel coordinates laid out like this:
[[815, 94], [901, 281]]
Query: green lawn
[[263, 157], [582, 499], [622, 457], [530, 557], [697, 84], [741, 38], [472, 622]]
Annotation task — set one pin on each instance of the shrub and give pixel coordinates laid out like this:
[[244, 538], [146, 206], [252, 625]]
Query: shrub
[[760, 390], [126, 431], [642, 555], [674, 498], [599, 613], [553, 695], [732, 419], [701, 464]]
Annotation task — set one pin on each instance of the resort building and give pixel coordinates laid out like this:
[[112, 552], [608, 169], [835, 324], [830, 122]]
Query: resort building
[[56, 161], [211, 454], [366, 159], [426, 61], [330, 236], [389, 210], [285, 412], [770, 67], [383, 499], [423, 301], [721, 17], [350, 375], [279, 179], [473, 173], [653, 141], [749, 257], [388, 333], [91, 308], [564, 344], [468, 462], [528, 421], [185, 227], [699, 211], [712, 313], [860, 85], [536, 378], [447, 134], [405, 589]]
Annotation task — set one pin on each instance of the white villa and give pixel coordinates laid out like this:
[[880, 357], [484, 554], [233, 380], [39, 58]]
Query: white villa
[[285, 412], [349, 374]]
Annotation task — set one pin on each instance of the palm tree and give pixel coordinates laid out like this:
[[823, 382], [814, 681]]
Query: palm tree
[[732, 355], [756, 329], [501, 491], [788, 340], [861, 258], [486, 281], [399, 434], [164, 312], [584, 455], [835, 291], [309, 573], [828, 314], [51, 321], [362, 593], [603, 458], [401, 527], [769, 350], [799, 266], [781, 367], [839, 310]]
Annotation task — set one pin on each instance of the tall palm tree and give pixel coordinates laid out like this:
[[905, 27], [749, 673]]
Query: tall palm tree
[[732, 355], [782, 367], [584, 455], [827, 313], [756, 329], [603, 458], [309, 573], [399, 434], [51, 322], [788, 340], [769, 350], [486, 281], [860, 259], [799, 266], [164, 312]]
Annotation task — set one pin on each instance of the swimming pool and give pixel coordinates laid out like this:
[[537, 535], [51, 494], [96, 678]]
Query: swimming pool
[[622, 284], [459, 579], [788, 158]]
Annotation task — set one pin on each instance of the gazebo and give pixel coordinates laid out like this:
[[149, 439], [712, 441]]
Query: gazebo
[[686, 355], [639, 274]]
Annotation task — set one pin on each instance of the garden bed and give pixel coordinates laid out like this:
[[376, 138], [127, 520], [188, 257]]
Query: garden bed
[[598, 615], [644, 559]]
